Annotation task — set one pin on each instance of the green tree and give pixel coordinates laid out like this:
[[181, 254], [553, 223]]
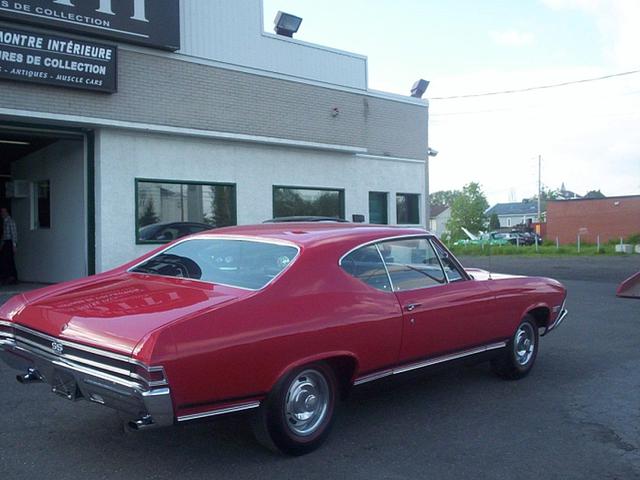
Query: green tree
[[594, 194], [148, 216], [494, 222], [467, 211], [443, 197]]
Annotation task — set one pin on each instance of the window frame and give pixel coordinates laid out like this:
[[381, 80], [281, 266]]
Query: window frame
[[341, 193], [429, 238], [406, 194], [137, 181]]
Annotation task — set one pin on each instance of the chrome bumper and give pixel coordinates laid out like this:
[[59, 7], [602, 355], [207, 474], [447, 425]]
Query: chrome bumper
[[560, 318], [75, 380]]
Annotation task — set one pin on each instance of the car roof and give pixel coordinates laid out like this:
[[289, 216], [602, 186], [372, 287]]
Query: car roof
[[307, 234]]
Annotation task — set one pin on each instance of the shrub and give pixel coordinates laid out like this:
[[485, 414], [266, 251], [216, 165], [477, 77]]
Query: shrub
[[633, 239]]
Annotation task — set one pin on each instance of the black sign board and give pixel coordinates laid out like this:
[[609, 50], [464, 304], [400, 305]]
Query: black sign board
[[53, 60], [152, 23]]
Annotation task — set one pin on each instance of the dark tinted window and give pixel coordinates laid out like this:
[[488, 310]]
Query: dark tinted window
[[378, 208], [412, 264], [239, 263], [366, 265], [408, 208], [172, 206], [43, 210], [294, 202]]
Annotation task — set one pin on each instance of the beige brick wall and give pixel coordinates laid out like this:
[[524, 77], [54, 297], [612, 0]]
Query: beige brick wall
[[166, 91]]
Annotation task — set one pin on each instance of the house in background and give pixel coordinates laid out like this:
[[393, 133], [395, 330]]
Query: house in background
[[440, 215], [512, 214], [564, 194]]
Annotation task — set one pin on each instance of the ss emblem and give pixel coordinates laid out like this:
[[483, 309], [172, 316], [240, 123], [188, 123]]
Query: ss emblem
[[57, 347]]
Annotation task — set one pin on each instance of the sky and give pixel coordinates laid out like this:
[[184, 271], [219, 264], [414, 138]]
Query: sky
[[587, 134]]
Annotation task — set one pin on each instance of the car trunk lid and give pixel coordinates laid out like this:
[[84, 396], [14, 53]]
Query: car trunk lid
[[116, 313]]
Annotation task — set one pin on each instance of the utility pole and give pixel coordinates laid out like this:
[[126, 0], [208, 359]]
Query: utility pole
[[539, 187]]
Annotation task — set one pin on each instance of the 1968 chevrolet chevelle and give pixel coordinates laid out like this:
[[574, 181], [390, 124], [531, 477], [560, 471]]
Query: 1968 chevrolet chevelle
[[281, 318]]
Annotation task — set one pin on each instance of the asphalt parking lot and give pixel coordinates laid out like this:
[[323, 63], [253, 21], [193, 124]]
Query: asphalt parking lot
[[577, 416]]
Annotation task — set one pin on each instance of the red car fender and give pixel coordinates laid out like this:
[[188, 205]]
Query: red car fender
[[320, 357], [532, 307]]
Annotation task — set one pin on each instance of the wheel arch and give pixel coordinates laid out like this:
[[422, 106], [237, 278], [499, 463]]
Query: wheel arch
[[343, 363], [541, 314]]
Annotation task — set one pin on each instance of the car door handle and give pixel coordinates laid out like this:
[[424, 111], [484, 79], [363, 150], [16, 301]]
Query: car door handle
[[412, 306]]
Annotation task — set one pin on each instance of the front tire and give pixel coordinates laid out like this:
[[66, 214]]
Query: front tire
[[521, 352], [296, 417]]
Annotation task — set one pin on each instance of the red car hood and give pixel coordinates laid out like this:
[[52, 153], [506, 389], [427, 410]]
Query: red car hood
[[117, 312]]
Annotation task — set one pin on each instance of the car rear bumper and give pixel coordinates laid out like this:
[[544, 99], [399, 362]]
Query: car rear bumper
[[74, 379]]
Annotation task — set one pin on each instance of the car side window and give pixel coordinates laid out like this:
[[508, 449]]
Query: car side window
[[412, 264], [450, 268], [366, 265]]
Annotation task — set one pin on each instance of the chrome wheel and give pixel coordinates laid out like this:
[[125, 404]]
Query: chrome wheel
[[524, 344], [307, 402]]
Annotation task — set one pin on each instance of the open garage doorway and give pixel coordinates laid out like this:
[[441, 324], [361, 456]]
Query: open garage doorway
[[43, 184]]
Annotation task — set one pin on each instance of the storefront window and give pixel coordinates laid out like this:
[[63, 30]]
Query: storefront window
[[408, 208], [378, 208], [317, 202], [168, 210]]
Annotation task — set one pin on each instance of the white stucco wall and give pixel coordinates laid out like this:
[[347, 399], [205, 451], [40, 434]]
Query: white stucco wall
[[59, 253], [122, 156]]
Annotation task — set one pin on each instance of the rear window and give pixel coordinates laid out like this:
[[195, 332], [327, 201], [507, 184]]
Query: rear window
[[237, 263]]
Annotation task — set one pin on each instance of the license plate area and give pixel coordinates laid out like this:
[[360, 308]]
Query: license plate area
[[65, 385]]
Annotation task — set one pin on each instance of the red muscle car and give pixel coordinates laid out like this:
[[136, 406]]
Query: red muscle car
[[281, 318]]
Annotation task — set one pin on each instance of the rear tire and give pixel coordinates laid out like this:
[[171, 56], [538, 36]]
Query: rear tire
[[297, 415], [518, 358]]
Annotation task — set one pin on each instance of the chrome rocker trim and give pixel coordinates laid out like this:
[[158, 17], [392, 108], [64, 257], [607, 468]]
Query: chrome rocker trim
[[220, 411], [426, 363]]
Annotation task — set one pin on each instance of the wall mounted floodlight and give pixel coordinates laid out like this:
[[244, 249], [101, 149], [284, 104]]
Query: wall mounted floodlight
[[419, 88], [432, 152], [287, 24]]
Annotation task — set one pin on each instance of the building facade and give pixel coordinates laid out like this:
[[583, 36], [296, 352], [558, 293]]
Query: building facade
[[121, 115], [609, 218]]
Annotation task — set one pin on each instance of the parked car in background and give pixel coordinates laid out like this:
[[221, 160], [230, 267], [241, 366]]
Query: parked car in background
[[491, 239], [168, 231], [280, 319]]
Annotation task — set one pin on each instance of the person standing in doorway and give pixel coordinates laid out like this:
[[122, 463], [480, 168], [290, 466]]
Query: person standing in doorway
[[8, 248]]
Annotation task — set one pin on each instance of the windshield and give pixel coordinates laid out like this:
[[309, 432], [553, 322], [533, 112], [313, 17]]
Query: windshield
[[237, 263]]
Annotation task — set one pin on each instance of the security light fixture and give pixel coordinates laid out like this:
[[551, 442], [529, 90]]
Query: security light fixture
[[287, 24], [419, 88], [432, 152], [14, 142]]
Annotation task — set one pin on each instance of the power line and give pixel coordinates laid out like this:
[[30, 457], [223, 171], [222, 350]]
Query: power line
[[540, 87]]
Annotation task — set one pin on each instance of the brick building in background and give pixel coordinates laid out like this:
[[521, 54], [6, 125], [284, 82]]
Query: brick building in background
[[610, 218]]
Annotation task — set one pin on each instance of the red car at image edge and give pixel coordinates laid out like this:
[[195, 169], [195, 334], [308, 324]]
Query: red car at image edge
[[281, 318]]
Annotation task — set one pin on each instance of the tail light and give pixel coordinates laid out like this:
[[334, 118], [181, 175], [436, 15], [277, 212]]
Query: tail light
[[153, 376]]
